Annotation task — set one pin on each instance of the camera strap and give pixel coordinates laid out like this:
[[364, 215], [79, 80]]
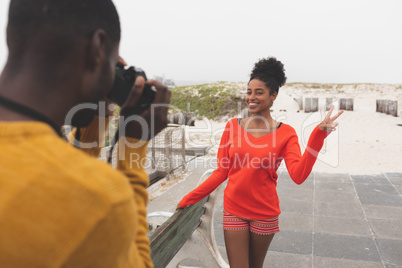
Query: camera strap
[[24, 110]]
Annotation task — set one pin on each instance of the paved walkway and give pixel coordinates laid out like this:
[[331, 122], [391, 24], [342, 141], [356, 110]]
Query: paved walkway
[[331, 220]]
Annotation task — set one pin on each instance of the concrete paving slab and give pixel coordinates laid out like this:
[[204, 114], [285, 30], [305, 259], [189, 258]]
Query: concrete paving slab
[[285, 180], [378, 194], [332, 177], [382, 212], [218, 226], [296, 222], [292, 242], [387, 229], [324, 262], [291, 184], [289, 205], [166, 202], [351, 210], [394, 174], [342, 226], [289, 260], [370, 179], [390, 251], [295, 194], [346, 247], [336, 196], [387, 265], [399, 188], [334, 186], [222, 251], [395, 178], [191, 263]]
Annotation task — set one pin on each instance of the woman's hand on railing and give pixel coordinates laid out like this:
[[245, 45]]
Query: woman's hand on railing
[[178, 207]]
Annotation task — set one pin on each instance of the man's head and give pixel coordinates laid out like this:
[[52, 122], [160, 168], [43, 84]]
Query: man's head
[[63, 42], [55, 25]]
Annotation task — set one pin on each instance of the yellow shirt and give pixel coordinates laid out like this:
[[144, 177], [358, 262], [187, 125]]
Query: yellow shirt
[[60, 207]]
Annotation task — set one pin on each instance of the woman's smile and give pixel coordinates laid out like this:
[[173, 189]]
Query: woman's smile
[[258, 97], [252, 105]]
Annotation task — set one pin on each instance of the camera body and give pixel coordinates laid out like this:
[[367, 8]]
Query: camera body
[[123, 83]]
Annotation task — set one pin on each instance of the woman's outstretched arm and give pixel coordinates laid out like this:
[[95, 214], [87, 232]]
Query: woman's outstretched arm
[[217, 177], [299, 166]]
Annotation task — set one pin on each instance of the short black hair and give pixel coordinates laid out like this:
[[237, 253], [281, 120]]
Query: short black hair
[[56, 24], [271, 72]]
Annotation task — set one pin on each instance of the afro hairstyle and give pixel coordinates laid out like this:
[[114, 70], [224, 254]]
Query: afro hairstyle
[[271, 72]]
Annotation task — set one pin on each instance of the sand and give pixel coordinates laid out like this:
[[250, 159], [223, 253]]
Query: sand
[[366, 142]]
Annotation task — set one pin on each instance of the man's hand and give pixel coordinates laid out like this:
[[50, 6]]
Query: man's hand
[[151, 121]]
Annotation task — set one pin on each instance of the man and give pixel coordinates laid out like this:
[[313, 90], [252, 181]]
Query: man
[[60, 207]]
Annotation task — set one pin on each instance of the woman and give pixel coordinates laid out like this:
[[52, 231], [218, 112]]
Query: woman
[[249, 155]]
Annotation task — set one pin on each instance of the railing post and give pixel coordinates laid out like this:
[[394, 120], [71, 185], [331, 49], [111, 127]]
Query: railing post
[[300, 102], [167, 154], [387, 102], [349, 104], [328, 104], [307, 105], [310, 105], [153, 153], [314, 104], [183, 147], [171, 164], [378, 106], [393, 108], [342, 104]]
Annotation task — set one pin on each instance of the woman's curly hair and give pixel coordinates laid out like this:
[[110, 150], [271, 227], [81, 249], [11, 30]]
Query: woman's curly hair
[[271, 72]]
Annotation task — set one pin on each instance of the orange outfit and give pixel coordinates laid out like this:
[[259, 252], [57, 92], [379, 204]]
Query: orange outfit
[[251, 163]]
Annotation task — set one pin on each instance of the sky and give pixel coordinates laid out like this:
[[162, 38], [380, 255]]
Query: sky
[[343, 41]]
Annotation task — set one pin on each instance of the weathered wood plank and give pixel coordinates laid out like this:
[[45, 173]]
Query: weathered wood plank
[[328, 104], [349, 104], [169, 229], [307, 105], [378, 106], [346, 104], [299, 101], [310, 105], [171, 235], [342, 104], [387, 107], [175, 243], [393, 108], [156, 176]]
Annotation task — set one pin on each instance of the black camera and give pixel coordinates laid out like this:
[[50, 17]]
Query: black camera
[[123, 83]]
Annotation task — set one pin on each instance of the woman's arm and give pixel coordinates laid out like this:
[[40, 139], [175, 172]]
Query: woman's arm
[[299, 166], [217, 177]]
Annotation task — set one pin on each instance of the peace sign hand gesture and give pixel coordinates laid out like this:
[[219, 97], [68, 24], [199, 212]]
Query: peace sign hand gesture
[[328, 123]]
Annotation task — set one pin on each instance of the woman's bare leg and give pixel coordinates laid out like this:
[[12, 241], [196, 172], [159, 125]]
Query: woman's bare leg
[[259, 245], [237, 248]]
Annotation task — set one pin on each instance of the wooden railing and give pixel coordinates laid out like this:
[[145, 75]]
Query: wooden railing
[[172, 234]]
